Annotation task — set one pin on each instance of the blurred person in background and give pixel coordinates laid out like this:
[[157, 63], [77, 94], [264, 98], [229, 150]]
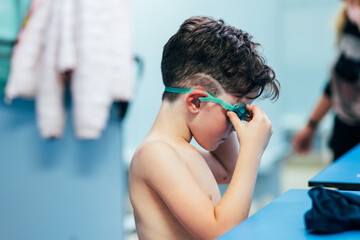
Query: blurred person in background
[[342, 92]]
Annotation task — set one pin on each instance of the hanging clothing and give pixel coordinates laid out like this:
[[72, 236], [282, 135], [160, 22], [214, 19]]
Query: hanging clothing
[[89, 39]]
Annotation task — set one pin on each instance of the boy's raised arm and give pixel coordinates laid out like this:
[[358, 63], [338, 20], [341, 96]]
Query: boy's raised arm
[[253, 138], [222, 161]]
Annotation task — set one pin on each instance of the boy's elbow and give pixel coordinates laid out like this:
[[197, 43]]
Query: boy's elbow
[[214, 226], [212, 233], [217, 229]]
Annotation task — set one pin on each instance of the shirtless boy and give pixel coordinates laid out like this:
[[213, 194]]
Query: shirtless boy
[[210, 71]]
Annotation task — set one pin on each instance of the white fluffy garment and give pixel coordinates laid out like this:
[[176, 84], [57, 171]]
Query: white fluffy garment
[[89, 38]]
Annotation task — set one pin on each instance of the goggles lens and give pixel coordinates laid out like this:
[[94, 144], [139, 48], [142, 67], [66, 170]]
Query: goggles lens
[[241, 111]]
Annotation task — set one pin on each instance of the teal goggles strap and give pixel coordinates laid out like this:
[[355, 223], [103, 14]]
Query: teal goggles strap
[[240, 109]]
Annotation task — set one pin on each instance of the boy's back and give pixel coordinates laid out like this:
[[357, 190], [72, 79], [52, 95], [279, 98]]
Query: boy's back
[[208, 69]]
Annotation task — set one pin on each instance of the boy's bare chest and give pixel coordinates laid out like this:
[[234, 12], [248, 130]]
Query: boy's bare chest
[[204, 177]]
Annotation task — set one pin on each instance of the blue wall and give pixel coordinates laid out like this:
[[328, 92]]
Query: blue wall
[[58, 189]]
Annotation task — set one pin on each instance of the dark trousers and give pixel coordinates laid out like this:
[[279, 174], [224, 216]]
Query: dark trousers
[[343, 138]]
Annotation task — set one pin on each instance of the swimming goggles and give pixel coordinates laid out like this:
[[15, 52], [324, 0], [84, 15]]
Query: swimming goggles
[[239, 109]]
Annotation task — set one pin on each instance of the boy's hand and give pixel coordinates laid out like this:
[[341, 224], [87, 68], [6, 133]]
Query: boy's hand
[[256, 133]]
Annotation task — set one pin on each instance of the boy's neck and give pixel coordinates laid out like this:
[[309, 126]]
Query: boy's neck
[[171, 123]]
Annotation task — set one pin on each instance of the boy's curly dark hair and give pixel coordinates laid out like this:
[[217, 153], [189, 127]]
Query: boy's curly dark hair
[[204, 50]]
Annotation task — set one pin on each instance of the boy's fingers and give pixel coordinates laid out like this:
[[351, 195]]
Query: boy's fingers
[[252, 108], [234, 119]]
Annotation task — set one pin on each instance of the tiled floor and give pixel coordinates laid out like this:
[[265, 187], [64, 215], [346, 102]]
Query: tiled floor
[[296, 172]]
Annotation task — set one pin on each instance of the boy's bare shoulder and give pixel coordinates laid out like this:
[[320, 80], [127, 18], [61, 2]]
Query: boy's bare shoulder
[[154, 154], [153, 148]]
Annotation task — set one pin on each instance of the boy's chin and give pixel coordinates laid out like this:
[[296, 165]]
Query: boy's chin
[[210, 147]]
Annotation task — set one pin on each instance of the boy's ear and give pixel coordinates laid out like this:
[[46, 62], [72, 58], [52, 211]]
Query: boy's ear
[[193, 102]]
